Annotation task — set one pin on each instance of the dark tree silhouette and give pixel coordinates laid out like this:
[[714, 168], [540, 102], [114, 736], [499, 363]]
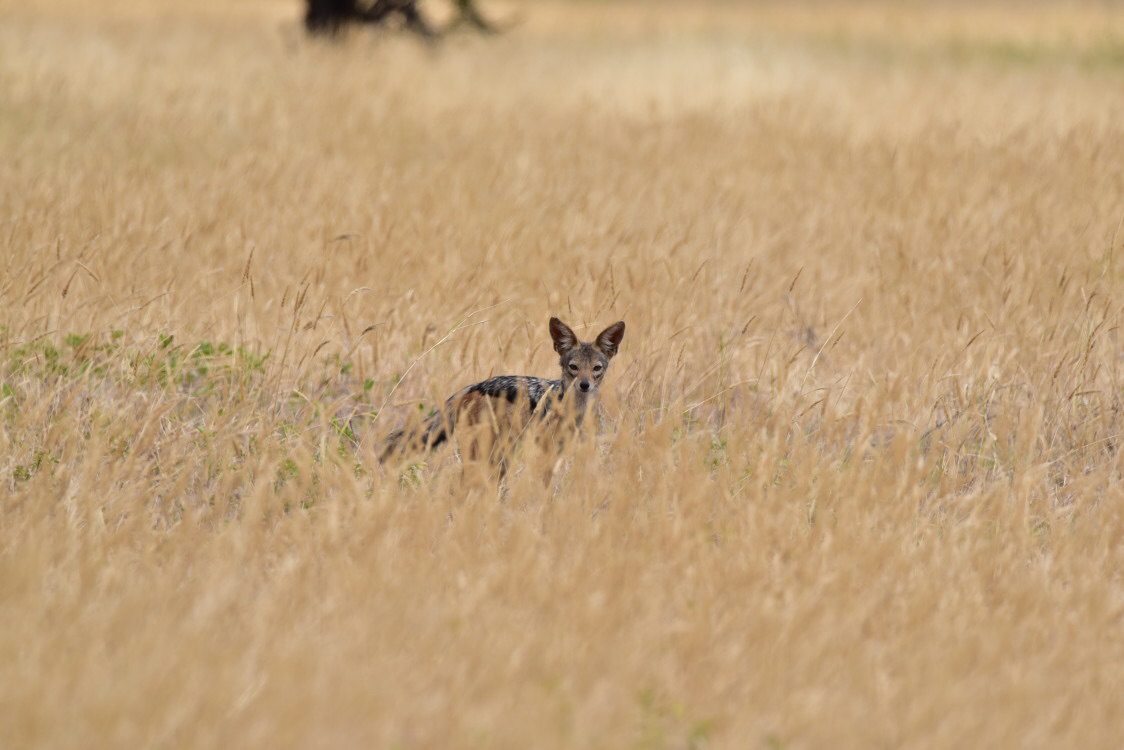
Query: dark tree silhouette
[[330, 16]]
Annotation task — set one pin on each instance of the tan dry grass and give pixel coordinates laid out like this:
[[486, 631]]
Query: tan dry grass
[[859, 480]]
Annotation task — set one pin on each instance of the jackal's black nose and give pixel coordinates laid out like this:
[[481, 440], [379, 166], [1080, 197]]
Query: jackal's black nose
[[584, 385]]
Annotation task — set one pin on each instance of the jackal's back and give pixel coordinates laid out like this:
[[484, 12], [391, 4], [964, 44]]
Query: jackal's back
[[514, 389], [506, 401]]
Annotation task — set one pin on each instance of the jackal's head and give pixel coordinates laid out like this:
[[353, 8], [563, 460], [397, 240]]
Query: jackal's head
[[584, 363]]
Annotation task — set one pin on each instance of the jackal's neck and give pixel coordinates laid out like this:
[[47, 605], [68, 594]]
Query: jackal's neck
[[576, 402]]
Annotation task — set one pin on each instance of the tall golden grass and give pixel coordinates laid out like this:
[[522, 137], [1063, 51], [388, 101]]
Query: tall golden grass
[[858, 481]]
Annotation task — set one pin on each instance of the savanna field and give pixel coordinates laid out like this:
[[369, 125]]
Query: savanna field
[[857, 478]]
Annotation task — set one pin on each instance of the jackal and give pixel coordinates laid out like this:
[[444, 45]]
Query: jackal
[[500, 409]]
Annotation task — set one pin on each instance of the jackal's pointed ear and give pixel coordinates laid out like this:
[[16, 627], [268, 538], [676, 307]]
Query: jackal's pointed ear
[[564, 338], [610, 339]]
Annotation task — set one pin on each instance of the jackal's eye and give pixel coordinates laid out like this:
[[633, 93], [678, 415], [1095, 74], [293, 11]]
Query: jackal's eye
[[573, 367], [598, 368]]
